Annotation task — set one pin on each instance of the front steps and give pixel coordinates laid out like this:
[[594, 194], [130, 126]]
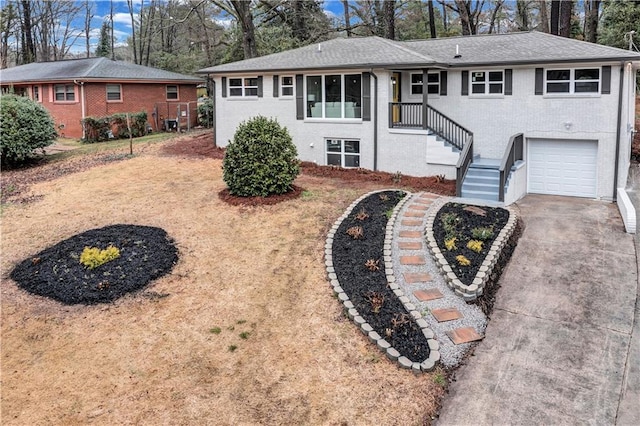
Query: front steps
[[482, 180], [441, 152]]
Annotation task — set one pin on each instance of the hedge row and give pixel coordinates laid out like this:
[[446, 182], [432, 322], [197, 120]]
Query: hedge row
[[98, 129]]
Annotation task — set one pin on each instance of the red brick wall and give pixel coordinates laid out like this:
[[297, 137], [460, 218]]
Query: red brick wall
[[136, 97]]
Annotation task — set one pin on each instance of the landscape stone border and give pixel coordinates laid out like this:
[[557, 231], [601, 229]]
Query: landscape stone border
[[474, 290], [391, 353]]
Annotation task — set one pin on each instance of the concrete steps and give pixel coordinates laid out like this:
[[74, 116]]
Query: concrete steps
[[482, 180], [439, 151]]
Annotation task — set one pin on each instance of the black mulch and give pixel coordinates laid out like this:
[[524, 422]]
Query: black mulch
[[495, 218], [146, 253], [392, 322]]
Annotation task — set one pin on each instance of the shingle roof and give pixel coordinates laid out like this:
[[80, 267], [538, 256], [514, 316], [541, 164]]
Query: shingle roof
[[497, 49], [90, 69], [515, 48], [337, 53]]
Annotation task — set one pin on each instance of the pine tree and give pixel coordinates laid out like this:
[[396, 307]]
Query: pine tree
[[104, 45]]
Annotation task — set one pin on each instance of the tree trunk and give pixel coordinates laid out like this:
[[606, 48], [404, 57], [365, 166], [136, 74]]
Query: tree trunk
[[347, 19], [544, 16], [463, 9], [555, 17], [87, 27], [113, 51], [494, 15], [566, 12], [28, 48], [591, 9], [133, 32], [389, 19], [522, 12], [245, 18], [445, 24], [432, 20]]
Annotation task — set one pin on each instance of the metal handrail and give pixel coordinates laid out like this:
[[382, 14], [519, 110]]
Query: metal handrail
[[410, 115], [513, 153], [462, 167]]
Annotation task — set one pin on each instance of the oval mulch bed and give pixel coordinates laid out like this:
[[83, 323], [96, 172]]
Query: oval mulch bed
[[365, 287], [146, 253]]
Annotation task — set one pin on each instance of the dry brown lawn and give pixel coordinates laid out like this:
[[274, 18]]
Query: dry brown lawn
[[156, 360]]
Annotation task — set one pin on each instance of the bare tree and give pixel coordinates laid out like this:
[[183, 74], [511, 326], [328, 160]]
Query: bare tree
[[555, 17], [432, 20], [469, 13], [591, 15], [543, 16], [28, 47], [389, 14], [522, 15], [8, 21], [88, 6], [113, 50], [494, 14], [566, 13], [347, 18], [133, 32]]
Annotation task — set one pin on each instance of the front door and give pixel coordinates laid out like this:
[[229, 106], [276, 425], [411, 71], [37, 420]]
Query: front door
[[395, 97]]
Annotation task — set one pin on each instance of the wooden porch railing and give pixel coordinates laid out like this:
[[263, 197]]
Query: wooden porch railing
[[466, 157], [513, 153], [413, 116]]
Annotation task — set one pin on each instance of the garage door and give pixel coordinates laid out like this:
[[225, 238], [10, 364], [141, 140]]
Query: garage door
[[563, 167]]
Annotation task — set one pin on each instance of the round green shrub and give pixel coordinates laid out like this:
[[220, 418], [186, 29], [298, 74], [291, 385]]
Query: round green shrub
[[24, 127], [261, 159]]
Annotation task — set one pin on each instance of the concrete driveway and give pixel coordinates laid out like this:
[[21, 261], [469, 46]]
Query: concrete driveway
[[558, 349]]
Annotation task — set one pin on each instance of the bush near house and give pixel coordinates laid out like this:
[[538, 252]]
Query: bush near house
[[261, 160], [205, 113], [25, 126], [99, 129]]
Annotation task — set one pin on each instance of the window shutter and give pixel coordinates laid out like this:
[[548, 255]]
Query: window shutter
[[606, 80], [508, 82], [299, 97], [224, 87], [465, 83], [276, 89], [539, 81], [443, 83], [260, 86], [366, 96]]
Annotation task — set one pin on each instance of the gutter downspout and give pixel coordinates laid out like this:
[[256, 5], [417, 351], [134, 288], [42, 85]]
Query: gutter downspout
[[619, 123], [375, 121], [82, 105]]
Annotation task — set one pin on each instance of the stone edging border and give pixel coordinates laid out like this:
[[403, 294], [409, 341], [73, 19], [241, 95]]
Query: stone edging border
[[476, 288], [391, 353]]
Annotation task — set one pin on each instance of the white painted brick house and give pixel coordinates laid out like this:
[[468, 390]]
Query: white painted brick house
[[505, 114]]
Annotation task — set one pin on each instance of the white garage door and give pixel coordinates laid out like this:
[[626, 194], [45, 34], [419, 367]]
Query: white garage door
[[563, 167]]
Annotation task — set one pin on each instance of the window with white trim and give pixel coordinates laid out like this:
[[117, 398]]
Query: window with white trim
[[433, 83], [243, 86], [172, 92], [286, 86], [343, 153], [487, 82], [35, 91], [114, 92], [334, 96], [572, 80], [64, 93]]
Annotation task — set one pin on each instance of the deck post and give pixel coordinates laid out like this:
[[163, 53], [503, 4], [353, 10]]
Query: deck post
[[425, 93]]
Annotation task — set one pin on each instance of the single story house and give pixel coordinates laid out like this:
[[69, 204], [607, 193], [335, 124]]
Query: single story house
[[505, 114], [95, 87]]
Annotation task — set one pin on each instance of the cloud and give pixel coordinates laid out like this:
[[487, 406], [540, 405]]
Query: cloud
[[122, 18]]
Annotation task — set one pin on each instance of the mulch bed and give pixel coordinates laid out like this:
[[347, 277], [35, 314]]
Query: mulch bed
[[468, 219], [362, 285], [146, 253]]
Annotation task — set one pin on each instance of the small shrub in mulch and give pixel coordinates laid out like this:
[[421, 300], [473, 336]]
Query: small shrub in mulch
[[85, 269], [357, 255], [465, 234]]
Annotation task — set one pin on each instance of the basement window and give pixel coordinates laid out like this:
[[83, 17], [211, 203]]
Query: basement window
[[343, 153]]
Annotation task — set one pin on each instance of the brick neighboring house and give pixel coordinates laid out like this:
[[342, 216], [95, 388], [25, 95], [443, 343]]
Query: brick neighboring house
[[94, 87]]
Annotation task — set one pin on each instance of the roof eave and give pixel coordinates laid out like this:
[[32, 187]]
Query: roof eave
[[542, 62]]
